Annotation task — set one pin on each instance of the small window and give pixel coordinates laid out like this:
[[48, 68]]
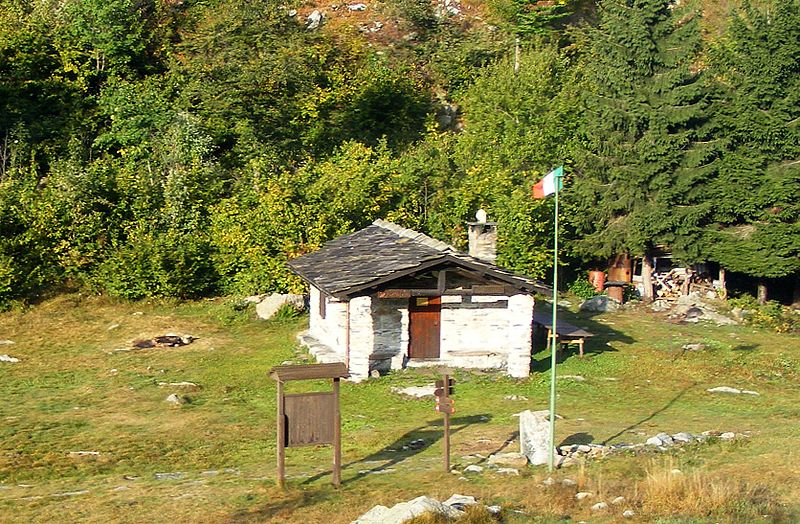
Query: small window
[[323, 304]]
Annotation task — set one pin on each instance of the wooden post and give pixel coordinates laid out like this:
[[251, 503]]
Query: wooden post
[[446, 426], [337, 436], [723, 286], [281, 439], [516, 56], [647, 279]]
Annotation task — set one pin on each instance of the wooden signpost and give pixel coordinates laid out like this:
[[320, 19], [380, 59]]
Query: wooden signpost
[[446, 406], [309, 419]]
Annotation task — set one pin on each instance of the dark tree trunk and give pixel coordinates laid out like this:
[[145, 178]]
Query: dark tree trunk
[[796, 294]]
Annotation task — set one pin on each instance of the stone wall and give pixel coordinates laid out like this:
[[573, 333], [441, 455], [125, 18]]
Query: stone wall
[[362, 337], [390, 328], [329, 330]]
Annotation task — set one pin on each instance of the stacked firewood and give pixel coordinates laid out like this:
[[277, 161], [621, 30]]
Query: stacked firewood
[[679, 281]]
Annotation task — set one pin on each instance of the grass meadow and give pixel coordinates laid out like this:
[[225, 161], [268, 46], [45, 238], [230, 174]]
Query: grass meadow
[[213, 458]]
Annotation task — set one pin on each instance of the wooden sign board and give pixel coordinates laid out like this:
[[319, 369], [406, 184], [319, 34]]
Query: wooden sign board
[[308, 419]]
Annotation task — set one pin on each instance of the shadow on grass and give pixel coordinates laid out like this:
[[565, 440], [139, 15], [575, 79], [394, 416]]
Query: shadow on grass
[[409, 444], [651, 415], [284, 503], [595, 345]]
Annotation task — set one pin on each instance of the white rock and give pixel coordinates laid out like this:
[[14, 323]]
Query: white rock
[[8, 358], [175, 399], [508, 471], [583, 495], [460, 500], [416, 391], [682, 437], [84, 453], [494, 510], [357, 7], [568, 483], [750, 392], [267, 308], [534, 437], [628, 513], [600, 304], [548, 481], [617, 501], [405, 511], [653, 441], [517, 460], [473, 468], [724, 389], [728, 435], [6, 342], [576, 378], [600, 506], [314, 20]]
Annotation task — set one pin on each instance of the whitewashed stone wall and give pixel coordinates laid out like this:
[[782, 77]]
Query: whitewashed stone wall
[[331, 329], [488, 332], [390, 327], [362, 337]]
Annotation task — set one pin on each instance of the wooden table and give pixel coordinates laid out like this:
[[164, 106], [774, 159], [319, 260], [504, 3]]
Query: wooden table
[[566, 333]]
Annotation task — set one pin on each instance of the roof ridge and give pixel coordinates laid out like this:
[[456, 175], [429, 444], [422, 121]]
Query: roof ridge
[[416, 236]]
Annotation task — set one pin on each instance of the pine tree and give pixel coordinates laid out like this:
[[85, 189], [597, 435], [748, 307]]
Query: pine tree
[[644, 108], [755, 227]]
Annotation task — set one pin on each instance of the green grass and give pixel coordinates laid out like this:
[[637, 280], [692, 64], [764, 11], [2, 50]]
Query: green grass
[[72, 392]]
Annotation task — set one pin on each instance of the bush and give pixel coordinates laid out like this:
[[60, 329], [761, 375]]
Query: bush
[[584, 289], [772, 315], [160, 265]]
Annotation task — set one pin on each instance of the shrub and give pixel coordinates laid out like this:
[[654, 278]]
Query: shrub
[[583, 288], [771, 315]]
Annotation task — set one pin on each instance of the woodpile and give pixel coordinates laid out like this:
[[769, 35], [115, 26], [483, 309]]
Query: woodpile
[[680, 281]]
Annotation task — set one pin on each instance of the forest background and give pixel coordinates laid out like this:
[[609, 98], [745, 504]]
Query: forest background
[[190, 148]]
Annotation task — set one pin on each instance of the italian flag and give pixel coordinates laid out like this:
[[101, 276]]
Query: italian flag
[[547, 185]]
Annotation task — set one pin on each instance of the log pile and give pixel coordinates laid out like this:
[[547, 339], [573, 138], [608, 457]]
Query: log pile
[[680, 281]]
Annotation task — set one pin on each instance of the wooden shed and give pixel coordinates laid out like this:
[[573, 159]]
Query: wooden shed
[[386, 297]]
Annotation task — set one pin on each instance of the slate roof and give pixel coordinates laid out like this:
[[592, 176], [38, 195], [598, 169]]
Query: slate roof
[[355, 264]]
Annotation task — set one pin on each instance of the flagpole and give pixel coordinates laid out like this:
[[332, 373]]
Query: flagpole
[[552, 444]]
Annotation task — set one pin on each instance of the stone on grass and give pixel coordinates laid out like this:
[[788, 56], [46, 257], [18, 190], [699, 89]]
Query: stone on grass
[[617, 501], [653, 441], [357, 7], [581, 495], [6, 342], [534, 436], [600, 304], [600, 506], [682, 437], [628, 513], [267, 308], [187, 386], [515, 397], [508, 471], [416, 391], [169, 476], [315, 20], [460, 501], [548, 481], [404, 511], [176, 399], [728, 435], [513, 460], [473, 468], [665, 438], [568, 483], [8, 358], [84, 453]]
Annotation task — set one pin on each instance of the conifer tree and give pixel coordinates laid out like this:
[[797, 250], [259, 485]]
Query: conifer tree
[[755, 227], [643, 110]]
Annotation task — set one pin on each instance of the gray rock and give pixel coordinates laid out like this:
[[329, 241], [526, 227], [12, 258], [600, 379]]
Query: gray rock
[[405, 511], [693, 347], [666, 439], [514, 460], [653, 441], [548, 481], [582, 495], [6, 342], [473, 468], [534, 437], [569, 483], [357, 7], [176, 399], [460, 501], [600, 506], [187, 386], [617, 501], [507, 471], [169, 476], [682, 437], [583, 448], [600, 304], [494, 510], [8, 358], [628, 513], [267, 308], [728, 435], [315, 20], [292, 13]]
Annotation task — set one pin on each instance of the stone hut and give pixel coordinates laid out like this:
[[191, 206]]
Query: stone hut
[[387, 297]]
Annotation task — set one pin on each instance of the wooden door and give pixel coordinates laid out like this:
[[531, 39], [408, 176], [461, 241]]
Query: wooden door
[[424, 314]]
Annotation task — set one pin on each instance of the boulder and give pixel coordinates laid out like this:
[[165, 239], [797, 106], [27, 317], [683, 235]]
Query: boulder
[[270, 305], [512, 460], [460, 501], [534, 436], [600, 304], [8, 358], [405, 511], [176, 399], [315, 20]]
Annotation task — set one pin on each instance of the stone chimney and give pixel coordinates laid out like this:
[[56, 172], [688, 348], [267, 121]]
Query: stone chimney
[[483, 238]]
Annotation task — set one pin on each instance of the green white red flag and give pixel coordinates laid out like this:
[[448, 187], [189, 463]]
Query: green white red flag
[[547, 185]]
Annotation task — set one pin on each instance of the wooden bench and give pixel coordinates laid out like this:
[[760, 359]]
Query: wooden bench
[[566, 333]]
